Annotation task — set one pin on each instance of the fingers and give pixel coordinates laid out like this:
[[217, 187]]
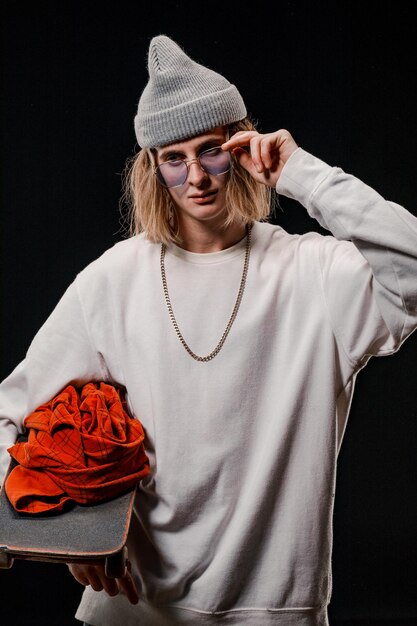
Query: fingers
[[266, 147], [241, 138], [99, 581], [79, 573], [262, 155], [261, 147], [128, 587], [94, 575], [255, 150], [253, 157], [245, 160]]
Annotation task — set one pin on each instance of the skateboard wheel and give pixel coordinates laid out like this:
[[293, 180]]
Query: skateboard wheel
[[115, 565], [6, 561]]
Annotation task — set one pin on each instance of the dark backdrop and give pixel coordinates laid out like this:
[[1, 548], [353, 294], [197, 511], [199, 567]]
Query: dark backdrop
[[339, 76]]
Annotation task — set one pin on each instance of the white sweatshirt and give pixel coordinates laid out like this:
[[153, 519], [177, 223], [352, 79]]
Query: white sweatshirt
[[234, 523]]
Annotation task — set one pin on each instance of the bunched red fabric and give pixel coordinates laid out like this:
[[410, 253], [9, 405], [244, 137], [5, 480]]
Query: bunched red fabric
[[82, 446]]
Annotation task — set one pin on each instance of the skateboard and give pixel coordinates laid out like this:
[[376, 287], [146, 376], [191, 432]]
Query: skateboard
[[82, 533]]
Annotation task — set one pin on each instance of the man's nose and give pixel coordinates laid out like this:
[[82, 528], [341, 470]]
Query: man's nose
[[196, 174]]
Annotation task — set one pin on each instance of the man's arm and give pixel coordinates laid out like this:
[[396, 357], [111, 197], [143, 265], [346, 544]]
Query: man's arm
[[369, 266], [60, 353]]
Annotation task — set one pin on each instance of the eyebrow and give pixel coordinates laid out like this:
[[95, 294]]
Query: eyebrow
[[208, 141]]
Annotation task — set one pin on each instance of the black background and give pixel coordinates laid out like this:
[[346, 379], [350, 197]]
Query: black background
[[339, 76]]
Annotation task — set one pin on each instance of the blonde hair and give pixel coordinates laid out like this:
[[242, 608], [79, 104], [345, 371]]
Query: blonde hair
[[151, 209]]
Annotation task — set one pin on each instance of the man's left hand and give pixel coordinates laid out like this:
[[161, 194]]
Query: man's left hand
[[267, 153]]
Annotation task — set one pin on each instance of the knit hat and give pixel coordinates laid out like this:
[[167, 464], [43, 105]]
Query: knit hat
[[182, 98]]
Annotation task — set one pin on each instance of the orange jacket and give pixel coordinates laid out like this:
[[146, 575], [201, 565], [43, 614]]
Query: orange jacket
[[82, 447]]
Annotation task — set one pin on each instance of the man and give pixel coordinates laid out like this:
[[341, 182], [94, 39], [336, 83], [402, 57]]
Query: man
[[239, 346]]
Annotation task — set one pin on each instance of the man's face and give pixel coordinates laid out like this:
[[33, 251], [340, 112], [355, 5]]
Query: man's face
[[202, 196]]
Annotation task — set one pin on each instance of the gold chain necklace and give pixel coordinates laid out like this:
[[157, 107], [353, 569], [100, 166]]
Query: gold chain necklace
[[235, 309]]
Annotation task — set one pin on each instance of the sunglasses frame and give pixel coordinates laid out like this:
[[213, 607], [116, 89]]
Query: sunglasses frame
[[188, 162]]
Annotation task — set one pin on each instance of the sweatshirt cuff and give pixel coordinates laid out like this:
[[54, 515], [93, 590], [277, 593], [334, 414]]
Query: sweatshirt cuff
[[301, 175]]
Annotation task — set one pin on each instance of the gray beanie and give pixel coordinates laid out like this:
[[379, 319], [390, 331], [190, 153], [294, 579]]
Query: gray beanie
[[182, 98]]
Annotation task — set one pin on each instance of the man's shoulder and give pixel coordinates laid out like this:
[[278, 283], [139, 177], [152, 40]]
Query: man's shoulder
[[273, 235], [117, 260], [305, 247]]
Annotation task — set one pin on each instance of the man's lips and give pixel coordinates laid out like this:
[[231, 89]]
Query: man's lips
[[203, 197]]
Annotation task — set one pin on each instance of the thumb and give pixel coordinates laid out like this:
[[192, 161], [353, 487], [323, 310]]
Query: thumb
[[245, 160]]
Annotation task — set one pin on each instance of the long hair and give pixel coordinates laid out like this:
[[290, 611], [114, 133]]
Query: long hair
[[150, 207]]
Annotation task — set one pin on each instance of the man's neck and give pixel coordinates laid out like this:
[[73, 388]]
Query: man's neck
[[202, 238]]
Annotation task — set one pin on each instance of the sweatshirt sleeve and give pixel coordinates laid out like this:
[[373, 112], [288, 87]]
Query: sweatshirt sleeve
[[60, 354], [369, 265]]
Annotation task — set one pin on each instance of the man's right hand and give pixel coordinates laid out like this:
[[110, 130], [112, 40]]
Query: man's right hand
[[93, 573]]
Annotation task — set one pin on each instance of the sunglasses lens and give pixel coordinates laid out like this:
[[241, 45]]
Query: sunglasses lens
[[172, 173], [215, 161]]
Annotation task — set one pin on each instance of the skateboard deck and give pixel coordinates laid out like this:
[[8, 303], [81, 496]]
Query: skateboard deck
[[82, 533]]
